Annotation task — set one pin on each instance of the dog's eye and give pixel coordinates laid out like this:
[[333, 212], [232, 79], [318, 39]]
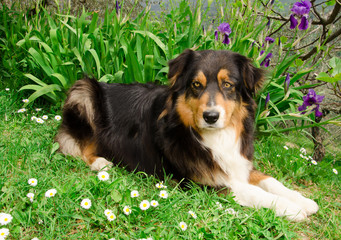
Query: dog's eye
[[227, 85], [196, 85]]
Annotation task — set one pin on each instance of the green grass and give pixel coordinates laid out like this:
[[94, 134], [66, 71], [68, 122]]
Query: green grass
[[25, 152]]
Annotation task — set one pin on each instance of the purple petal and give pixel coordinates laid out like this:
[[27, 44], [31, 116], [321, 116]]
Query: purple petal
[[226, 39], [293, 22], [261, 52], [224, 28], [319, 98], [216, 35], [304, 23], [268, 24], [267, 99], [301, 8], [302, 107], [317, 112], [269, 39], [287, 82]]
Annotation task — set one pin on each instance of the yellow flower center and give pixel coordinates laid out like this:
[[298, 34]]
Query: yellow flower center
[[86, 203], [144, 205], [2, 234], [51, 194], [6, 219], [112, 216]]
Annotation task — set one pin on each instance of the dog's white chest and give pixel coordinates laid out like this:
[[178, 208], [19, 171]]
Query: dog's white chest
[[225, 148]]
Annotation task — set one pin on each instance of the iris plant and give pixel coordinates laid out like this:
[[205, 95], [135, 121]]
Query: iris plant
[[225, 30], [311, 99], [300, 11]]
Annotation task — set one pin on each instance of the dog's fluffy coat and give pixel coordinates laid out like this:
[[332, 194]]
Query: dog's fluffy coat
[[199, 128]]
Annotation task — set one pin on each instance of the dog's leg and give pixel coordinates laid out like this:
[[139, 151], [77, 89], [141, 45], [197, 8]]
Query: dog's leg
[[95, 162], [271, 185], [253, 196]]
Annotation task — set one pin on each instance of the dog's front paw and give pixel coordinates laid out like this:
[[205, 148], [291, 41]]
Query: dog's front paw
[[101, 164], [290, 209], [309, 206]]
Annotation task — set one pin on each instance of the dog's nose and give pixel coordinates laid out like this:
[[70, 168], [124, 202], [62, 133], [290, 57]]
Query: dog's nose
[[211, 116]]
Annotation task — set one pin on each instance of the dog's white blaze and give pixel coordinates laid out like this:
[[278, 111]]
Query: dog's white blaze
[[225, 148]]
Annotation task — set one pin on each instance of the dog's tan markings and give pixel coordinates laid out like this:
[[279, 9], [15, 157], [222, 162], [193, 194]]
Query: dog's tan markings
[[173, 79], [223, 77], [201, 78], [67, 144], [256, 177], [89, 153], [191, 110], [228, 105], [168, 106]]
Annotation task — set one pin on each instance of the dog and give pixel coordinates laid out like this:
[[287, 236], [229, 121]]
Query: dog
[[200, 127]]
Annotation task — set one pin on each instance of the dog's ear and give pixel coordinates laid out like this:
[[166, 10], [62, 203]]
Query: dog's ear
[[179, 65], [253, 77]]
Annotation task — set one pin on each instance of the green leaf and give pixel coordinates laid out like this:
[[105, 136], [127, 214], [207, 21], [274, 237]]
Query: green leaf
[[39, 58], [35, 79], [116, 196], [44, 91], [155, 39]]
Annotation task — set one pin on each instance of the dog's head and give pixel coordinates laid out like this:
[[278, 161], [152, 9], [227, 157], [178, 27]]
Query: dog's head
[[213, 89]]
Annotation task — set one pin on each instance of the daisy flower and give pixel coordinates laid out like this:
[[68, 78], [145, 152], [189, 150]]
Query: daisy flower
[[4, 232], [7, 89], [39, 120], [25, 100], [313, 162], [86, 203], [230, 211], [134, 194], [45, 117], [144, 205], [183, 226], [303, 150], [286, 148], [21, 110], [335, 171], [154, 203], [111, 217], [103, 175], [126, 210], [50, 193], [160, 185], [35, 238], [38, 109], [278, 155], [192, 214], [57, 117], [5, 218], [30, 196], [33, 182], [163, 194], [107, 212], [33, 118], [219, 205]]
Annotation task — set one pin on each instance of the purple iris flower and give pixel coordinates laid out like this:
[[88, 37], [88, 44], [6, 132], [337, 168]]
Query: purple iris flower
[[311, 99], [117, 7], [287, 83], [268, 23], [225, 30], [269, 39], [300, 10], [267, 99], [266, 61]]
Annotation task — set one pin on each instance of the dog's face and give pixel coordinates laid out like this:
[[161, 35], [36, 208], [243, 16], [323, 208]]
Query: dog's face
[[213, 88]]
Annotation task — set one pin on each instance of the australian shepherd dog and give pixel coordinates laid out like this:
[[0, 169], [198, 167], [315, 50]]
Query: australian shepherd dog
[[200, 127]]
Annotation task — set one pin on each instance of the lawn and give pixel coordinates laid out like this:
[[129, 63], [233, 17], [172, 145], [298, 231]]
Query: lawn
[[27, 151]]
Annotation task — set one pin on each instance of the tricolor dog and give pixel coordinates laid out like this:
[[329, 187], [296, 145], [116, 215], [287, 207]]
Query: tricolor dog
[[200, 127]]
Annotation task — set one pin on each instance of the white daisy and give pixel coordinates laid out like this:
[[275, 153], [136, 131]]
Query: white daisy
[[30, 196], [25, 100], [33, 118], [183, 226], [286, 148], [111, 217], [35, 238], [39, 120], [335, 171], [154, 203], [160, 185], [38, 109], [313, 162], [7, 89], [144, 205], [303, 150], [220, 206], [57, 117], [107, 212], [33, 182], [163, 194], [230, 211], [112, 239], [45, 117], [278, 155], [21, 110], [5, 218], [4, 232], [103, 175], [192, 214], [50, 193], [126, 210], [86, 203], [134, 194]]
